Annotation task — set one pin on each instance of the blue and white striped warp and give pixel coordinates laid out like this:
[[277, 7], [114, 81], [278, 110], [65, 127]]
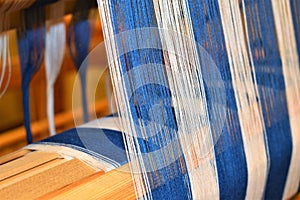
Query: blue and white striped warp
[[210, 94]]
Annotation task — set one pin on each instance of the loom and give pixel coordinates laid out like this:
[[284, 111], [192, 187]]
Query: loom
[[205, 104]]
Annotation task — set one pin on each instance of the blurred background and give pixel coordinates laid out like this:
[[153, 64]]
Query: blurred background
[[67, 100]]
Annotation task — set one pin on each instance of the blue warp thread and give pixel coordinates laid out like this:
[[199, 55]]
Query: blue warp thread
[[295, 7], [270, 80], [31, 44], [229, 149], [78, 42], [171, 181]]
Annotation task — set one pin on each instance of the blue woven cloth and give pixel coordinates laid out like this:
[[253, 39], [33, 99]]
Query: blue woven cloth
[[239, 159]]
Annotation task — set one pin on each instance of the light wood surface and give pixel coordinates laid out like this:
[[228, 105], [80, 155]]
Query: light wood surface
[[34, 174], [40, 175], [24, 163], [37, 173], [115, 184], [13, 155]]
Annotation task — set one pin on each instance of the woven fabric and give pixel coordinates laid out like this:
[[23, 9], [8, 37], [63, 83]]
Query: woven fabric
[[209, 91], [208, 98], [98, 144]]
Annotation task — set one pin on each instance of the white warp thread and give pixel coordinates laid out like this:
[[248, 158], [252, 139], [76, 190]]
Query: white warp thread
[[54, 54], [5, 63], [246, 92], [291, 73]]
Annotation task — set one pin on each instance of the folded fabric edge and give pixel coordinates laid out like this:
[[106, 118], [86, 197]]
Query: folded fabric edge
[[96, 163]]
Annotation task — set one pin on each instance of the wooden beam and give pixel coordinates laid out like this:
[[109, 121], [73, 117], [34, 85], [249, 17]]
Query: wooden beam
[[44, 179], [296, 197], [19, 134], [116, 184], [15, 17], [27, 162], [13, 156]]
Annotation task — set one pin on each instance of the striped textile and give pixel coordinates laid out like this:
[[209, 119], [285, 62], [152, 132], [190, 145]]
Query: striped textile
[[208, 94], [226, 71], [99, 143]]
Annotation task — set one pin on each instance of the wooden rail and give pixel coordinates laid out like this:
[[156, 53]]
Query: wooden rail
[[15, 16], [40, 129]]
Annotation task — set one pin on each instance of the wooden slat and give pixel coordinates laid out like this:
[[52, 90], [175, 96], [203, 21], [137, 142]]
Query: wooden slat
[[48, 180], [13, 156], [31, 172], [26, 162], [16, 21], [297, 197], [19, 134], [115, 184]]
